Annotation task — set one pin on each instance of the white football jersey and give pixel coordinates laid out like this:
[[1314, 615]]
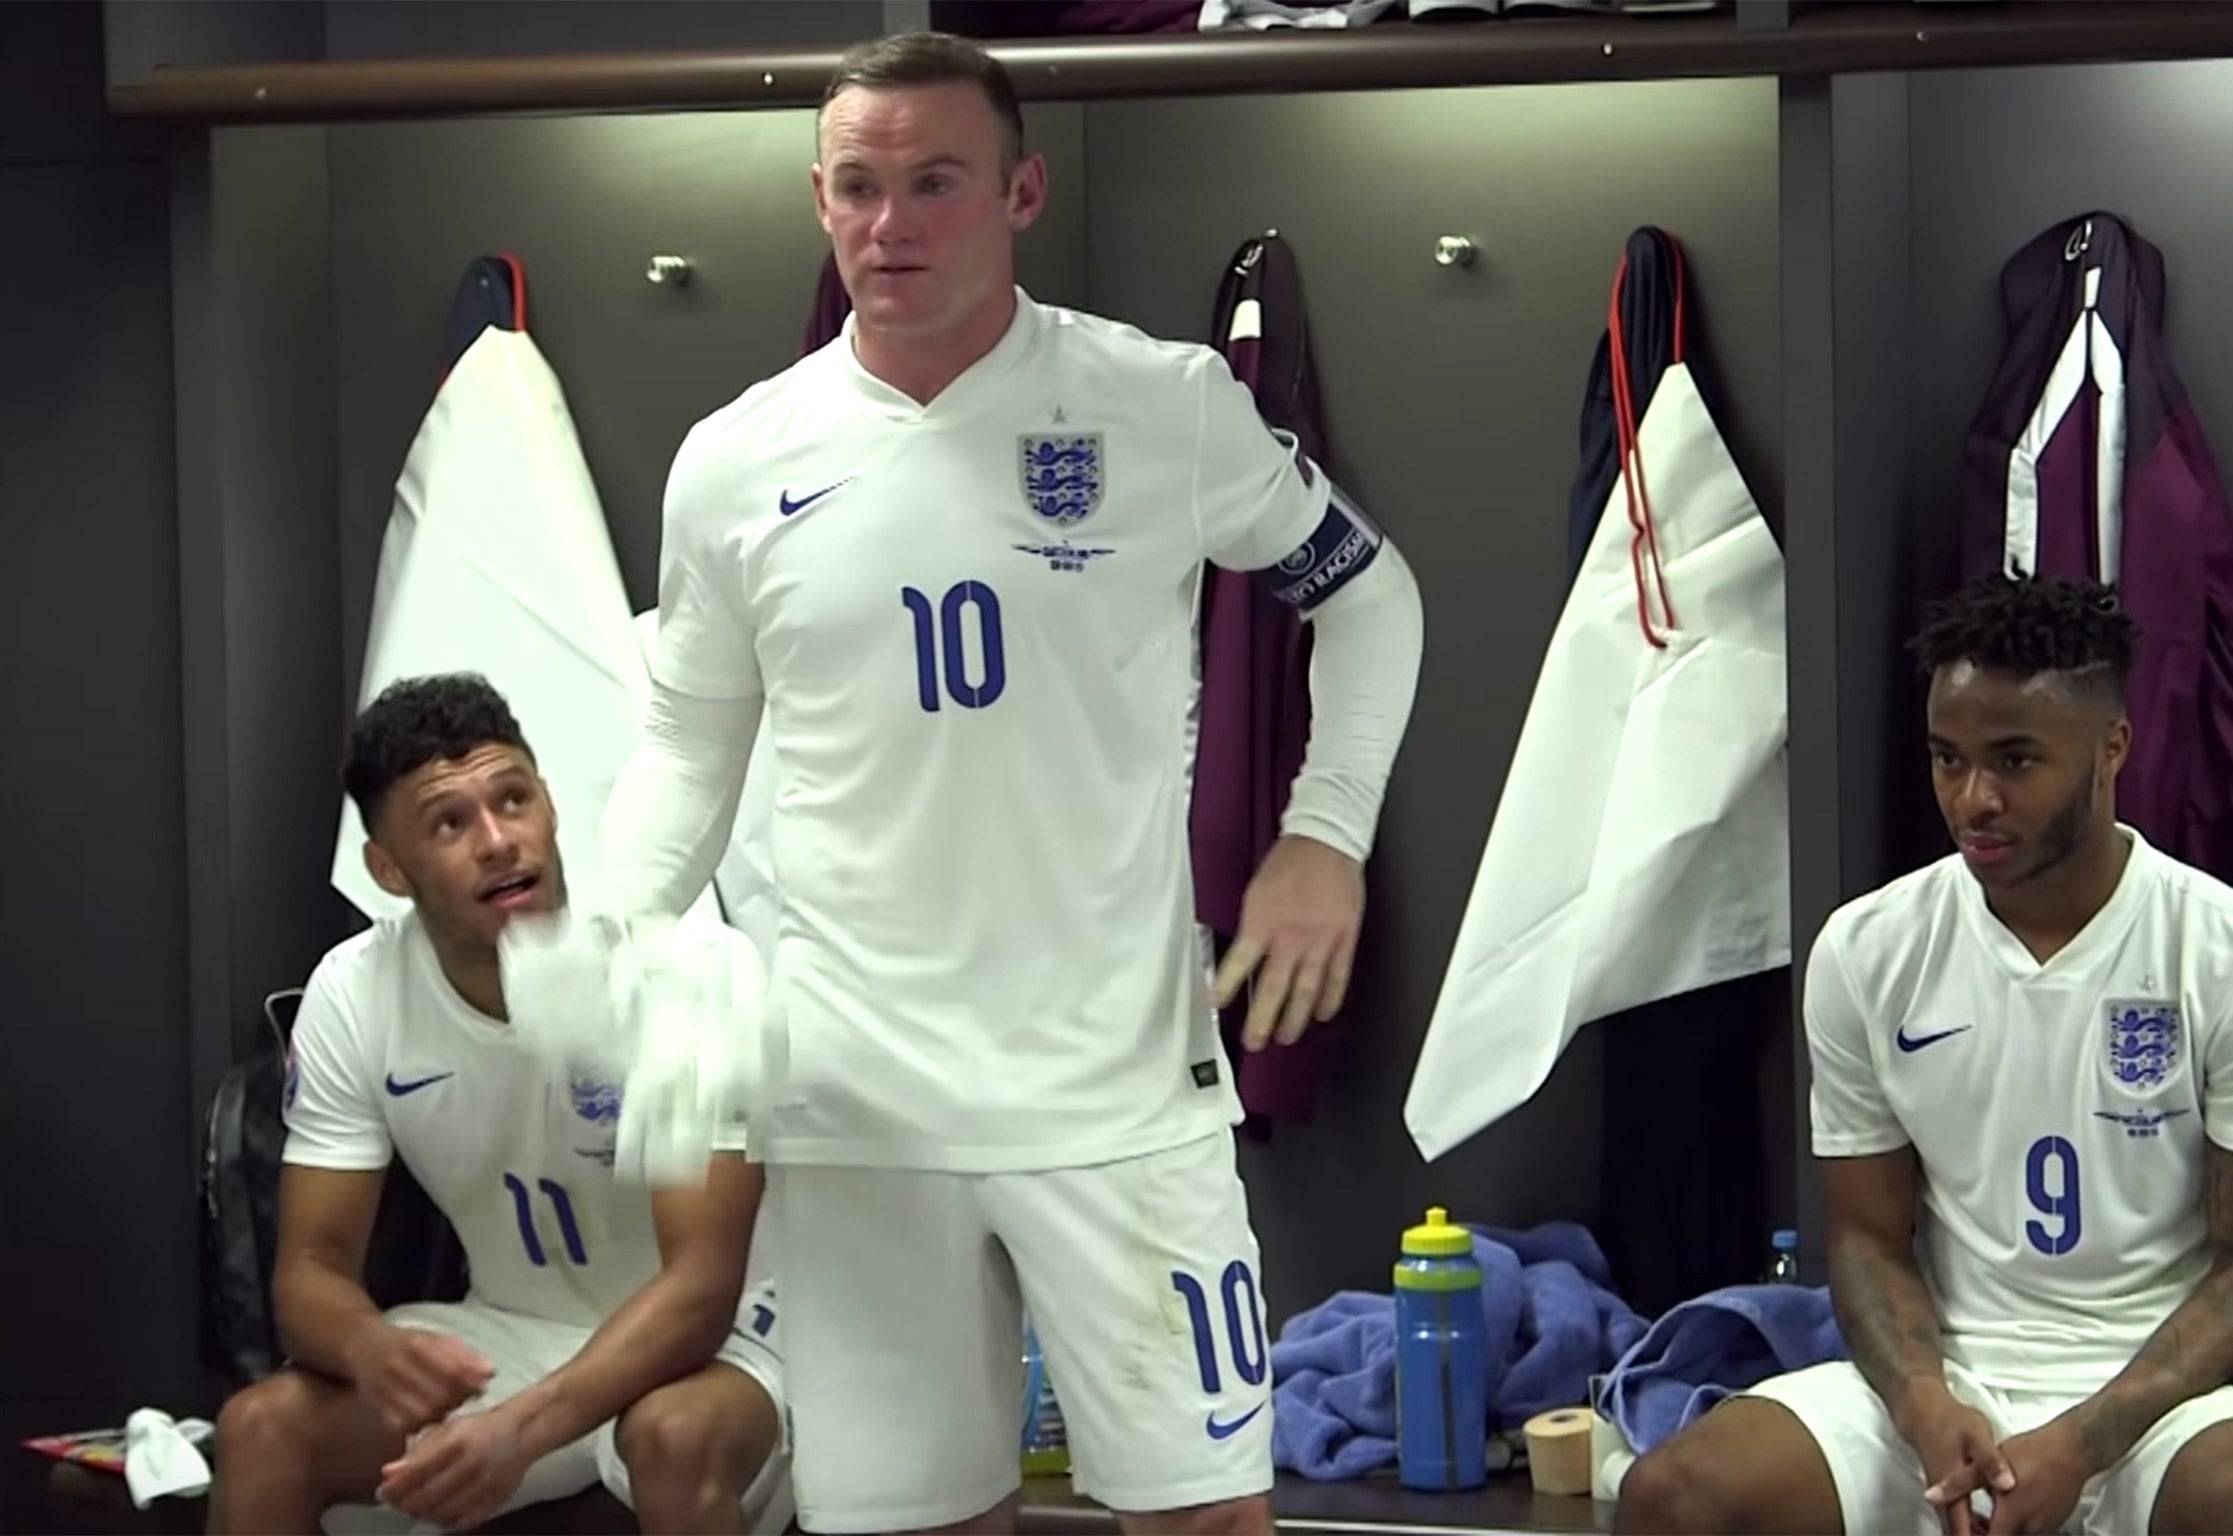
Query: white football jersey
[[387, 1061], [2060, 1112], [972, 625]]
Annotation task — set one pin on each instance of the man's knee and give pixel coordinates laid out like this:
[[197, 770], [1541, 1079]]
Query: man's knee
[[698, 1434], [1673, 1491], [272, 1424], [1251, 1516]]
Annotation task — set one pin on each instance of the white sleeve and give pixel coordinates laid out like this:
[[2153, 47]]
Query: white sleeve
[[705, 636], [2217, 1084], [1851, 1116], [1364, 670], [673, 802], [332, 1097]]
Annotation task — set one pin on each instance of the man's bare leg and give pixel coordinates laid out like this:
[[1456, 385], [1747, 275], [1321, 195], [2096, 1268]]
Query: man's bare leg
[[2196, 1498], [291, 1447], [693, 1448], [1747, 1468], [1231, 1517]]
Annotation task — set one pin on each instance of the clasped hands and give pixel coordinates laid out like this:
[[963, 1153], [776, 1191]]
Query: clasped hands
[[2032, 1480], [457, 1468]]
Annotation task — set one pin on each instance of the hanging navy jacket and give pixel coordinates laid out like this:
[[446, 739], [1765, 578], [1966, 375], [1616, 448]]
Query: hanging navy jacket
[[2087, 460]]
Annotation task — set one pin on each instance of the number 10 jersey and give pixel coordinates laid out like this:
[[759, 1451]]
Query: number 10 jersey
[[972, 626]]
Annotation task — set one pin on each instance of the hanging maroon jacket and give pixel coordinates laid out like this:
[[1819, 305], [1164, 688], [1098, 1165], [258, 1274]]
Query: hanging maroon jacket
[[2087, 460], [1255, 657]]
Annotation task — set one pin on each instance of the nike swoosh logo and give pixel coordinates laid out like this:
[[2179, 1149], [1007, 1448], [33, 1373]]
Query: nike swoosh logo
[[1910, 1044], [1227, 1431], [398, 1090], [785, 505]]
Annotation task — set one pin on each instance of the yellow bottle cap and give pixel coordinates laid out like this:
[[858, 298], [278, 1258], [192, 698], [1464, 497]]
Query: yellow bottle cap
[[1438, 1238]]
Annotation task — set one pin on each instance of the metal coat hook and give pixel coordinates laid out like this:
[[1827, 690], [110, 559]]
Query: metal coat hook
[[668, 270], [1453, 251]]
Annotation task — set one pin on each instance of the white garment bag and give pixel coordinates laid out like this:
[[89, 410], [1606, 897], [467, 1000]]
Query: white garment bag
[[1641, 848], [497, 560]]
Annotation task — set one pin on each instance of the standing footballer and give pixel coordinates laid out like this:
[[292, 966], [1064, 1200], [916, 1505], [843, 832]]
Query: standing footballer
[[956, 553]]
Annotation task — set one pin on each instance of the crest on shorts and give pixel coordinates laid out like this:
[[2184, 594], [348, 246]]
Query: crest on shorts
[[596, 1102], [1062, 475], [2144, 1042]]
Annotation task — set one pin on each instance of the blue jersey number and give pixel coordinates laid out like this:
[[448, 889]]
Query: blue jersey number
[[939, 654], [1244, 1325], [562, 1206], [2051, 1179]]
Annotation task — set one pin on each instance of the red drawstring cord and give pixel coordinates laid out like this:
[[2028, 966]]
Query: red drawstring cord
[[1646, 535]]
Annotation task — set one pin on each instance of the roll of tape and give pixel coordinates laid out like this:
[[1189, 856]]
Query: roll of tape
[[1558, 1451]]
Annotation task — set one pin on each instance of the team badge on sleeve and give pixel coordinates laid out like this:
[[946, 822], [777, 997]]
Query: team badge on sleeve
[[2143, 1043], [1062, 475], [1345, 543]]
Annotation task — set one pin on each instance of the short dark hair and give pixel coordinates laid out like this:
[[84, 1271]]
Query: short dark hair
[[2030, 626], [930, 58], [420, 720]]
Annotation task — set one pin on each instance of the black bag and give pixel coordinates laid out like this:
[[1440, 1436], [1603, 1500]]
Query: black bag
[[413, 1255], [241, 1141]]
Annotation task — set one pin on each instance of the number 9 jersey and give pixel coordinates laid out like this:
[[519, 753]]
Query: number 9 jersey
[[2060, 1111], [971, 623]]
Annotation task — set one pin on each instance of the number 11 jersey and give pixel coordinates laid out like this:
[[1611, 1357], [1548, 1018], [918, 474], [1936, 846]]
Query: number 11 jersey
[[2061, 1112], [972, 625], [386, 1061]]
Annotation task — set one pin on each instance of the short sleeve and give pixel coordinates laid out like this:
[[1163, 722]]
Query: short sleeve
[[1851, 1116], [1263, 505], [331, 1103], [706, 643], [2217, 1083]]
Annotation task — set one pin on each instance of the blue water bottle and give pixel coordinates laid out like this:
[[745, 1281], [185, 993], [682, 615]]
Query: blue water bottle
[[1442, 1360], [1783, 1262]]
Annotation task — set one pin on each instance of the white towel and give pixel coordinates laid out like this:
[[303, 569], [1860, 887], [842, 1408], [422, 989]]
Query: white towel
[[160, 1459], [658, 1006]]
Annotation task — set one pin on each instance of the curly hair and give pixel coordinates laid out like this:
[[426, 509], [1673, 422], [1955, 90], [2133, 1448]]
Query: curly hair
[[2030, 627], [419, 720]]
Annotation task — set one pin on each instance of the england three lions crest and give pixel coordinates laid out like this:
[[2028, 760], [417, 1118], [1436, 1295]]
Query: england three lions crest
[[2143, 1043], [1062, 475]]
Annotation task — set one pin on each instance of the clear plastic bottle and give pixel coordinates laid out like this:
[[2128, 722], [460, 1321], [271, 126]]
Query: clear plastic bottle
[[1783, 1261], [1046, 1446]]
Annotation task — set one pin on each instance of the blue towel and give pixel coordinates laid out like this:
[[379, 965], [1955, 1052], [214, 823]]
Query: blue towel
[[1714, 1346], [1552, 1323]]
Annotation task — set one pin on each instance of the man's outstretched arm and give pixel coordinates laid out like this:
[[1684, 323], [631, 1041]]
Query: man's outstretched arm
[[673, 803]]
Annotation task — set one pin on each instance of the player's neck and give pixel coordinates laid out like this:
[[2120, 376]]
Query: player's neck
[[474, 974], [921, 367], [2049, 912]]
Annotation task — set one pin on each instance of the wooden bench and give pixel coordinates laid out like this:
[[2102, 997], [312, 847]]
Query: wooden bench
[[84, 1501]]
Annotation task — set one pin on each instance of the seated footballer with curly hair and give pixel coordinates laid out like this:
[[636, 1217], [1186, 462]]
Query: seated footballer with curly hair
[[611, 1333], [2022, 1107]]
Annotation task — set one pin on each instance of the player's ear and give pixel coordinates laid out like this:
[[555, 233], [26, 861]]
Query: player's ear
[[385, 872], [2116, 745], [1027, 193]]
